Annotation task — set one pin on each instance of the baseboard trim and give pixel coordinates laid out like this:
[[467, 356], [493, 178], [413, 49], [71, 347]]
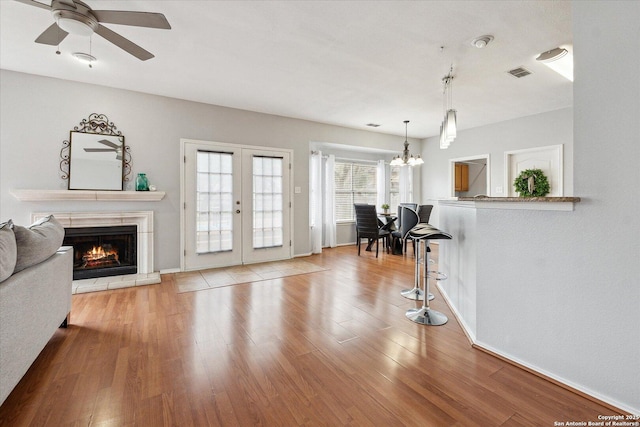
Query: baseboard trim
[[465, 328], [615, 407], [169, 270]]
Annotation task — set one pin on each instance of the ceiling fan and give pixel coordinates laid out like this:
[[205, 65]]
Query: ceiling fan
[[114, 147], [76, 17]]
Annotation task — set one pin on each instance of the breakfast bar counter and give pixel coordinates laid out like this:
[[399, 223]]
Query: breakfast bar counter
[[529, 203], [504, 260]]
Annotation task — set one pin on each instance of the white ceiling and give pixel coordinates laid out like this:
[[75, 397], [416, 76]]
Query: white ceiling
[[346, 63]]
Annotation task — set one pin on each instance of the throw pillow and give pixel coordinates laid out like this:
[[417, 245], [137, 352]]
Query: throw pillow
[[38, 242], [8, 251]]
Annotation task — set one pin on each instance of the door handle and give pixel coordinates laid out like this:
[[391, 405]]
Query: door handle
[[237, 210]]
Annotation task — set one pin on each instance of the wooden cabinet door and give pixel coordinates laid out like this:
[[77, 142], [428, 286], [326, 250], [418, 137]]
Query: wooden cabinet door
[[462, 177]]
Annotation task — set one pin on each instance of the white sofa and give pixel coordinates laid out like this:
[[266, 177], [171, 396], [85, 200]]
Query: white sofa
[[34, 302]]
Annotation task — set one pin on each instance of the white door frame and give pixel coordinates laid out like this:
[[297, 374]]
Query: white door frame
[[219, 145]]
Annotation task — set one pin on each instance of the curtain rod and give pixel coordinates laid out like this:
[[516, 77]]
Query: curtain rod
[[324, 156], [357, 160]]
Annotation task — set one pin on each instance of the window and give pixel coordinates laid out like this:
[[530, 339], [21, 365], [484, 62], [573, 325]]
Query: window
[[354, 183]]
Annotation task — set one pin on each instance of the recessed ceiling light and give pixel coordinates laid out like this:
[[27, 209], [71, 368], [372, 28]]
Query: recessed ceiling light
[[482, 41]]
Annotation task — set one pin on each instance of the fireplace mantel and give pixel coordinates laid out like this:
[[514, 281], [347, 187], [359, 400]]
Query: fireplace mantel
[[87, 195]]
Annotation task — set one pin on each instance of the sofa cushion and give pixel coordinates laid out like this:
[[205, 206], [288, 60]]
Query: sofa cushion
[[8, 251], [37, 242]]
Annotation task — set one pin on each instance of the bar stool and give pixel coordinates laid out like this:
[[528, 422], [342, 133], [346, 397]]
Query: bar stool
[[416, 293], [424, 315]]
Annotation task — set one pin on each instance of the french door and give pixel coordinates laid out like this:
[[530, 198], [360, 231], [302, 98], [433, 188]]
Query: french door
[[236, 205]]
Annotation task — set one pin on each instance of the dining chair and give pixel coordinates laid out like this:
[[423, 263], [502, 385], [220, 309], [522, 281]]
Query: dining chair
[[413, 206], [408, 219], [367, 226], [424, 213]]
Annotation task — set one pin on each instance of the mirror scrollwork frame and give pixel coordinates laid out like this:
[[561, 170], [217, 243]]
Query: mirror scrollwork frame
[[95, 157]]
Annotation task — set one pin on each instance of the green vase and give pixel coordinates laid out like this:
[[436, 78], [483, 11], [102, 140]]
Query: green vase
[[142, 183]]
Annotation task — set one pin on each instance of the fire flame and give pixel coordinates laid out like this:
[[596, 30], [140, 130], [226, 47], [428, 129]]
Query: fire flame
[[98, 252]]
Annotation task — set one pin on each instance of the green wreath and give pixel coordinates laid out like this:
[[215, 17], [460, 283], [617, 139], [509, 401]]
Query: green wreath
[[532, 183]]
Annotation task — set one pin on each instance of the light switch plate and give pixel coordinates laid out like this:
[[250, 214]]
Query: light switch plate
[[297, 190]]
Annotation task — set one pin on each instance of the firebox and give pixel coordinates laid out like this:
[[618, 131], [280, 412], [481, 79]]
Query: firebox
[[102, 251]]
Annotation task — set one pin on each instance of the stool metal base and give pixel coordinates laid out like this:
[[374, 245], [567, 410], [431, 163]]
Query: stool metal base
[[416, 294], [426, 316]]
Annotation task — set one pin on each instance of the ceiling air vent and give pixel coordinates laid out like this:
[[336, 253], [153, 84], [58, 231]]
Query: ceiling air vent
[[519, 72], [373, 125]]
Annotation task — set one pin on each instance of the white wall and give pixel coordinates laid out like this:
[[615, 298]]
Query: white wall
[[605, 267], [37, 113]]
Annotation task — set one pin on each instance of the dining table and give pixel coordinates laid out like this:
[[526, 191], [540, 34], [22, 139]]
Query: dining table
[[385, 222]]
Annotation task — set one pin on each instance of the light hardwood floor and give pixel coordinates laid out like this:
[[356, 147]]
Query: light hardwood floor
[[327, 348]]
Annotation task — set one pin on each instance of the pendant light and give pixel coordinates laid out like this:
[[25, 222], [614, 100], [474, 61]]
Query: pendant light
[[407, 158], [448, 128]]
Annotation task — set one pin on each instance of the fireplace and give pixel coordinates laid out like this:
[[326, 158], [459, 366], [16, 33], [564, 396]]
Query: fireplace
[[142, 220], [103, 251]]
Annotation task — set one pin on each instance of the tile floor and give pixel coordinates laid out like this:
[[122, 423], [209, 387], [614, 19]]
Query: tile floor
[[226, 276], [114, 282]]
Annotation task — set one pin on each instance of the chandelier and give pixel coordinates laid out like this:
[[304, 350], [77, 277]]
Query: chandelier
[[448, 128], [406, 159]]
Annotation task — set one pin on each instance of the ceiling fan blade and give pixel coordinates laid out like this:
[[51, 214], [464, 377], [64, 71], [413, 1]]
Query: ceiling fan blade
[[35, 3], [69, 3], [123, 43], [137, 19], [98, 150], [52, 35], [108, 143]]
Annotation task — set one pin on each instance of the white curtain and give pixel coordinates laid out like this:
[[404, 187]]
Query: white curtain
[[405, 184], [380, 184], [329, 220], [315, 201]]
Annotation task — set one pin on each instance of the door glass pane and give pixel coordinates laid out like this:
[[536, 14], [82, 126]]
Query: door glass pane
[[214, 202], [268, 209]]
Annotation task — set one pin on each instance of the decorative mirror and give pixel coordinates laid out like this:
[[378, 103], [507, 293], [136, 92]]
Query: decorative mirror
[[95, 157]]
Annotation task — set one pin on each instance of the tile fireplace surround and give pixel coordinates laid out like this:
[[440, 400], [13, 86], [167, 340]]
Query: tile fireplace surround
[[144, 222]]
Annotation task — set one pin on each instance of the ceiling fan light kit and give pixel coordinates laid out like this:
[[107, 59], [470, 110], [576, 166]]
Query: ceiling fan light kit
[[77, 18]]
